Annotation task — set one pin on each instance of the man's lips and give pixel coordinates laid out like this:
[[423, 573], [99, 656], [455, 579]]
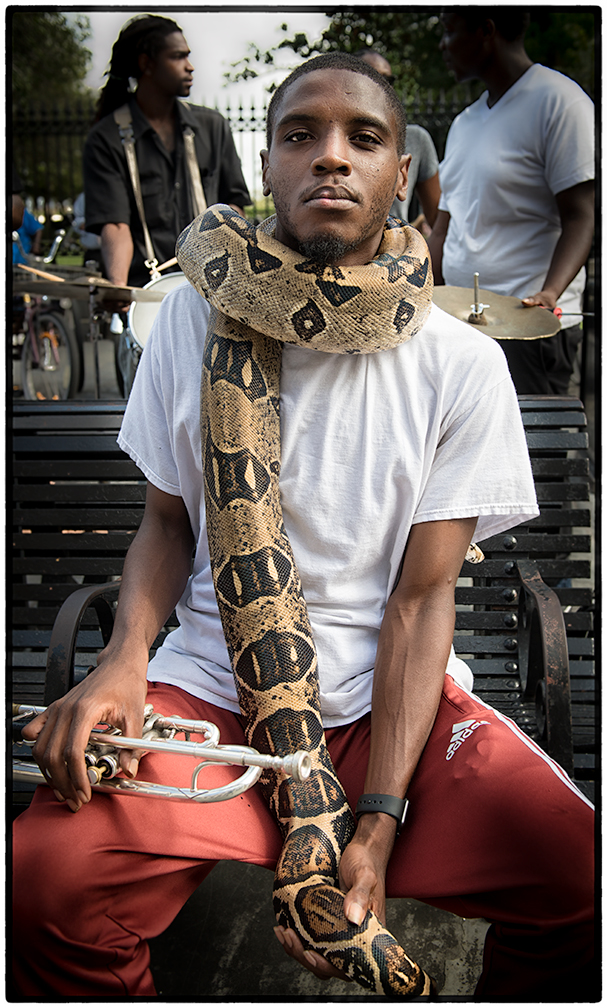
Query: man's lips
[[335, 197]]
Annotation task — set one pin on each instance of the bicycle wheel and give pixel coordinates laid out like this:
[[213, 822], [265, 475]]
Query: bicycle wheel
[[56, 372]]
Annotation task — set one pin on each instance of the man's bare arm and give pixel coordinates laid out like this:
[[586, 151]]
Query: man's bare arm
[[117, 252], [428, 194], [576, 209], [436, 242], [155, 575], [414, 644]]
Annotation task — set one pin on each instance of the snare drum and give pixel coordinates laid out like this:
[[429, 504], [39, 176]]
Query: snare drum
[[142, 313]]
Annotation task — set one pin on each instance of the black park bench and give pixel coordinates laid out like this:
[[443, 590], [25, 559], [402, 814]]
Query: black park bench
[[524, 616]]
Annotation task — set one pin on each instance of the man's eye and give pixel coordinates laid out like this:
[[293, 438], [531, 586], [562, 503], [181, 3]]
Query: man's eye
[[368, 138], [298, 135]]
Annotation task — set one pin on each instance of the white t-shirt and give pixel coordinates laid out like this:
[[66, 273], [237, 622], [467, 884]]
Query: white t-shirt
[[503, 167], [370, 445]]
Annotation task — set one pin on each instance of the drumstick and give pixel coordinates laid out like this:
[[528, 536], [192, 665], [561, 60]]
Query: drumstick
[[45, 276], [169, 262]]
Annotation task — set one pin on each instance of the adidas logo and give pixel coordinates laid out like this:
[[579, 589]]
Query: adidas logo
[[461, 732]]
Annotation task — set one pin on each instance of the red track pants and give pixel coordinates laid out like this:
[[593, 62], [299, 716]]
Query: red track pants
[[495, 830]]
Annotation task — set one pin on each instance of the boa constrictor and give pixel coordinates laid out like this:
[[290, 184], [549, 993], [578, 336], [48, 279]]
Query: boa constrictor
[[262, 294]]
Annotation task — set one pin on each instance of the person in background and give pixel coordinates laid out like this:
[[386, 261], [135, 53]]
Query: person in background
[[149, 70], [423, 170], [30, 237], [517, 201]]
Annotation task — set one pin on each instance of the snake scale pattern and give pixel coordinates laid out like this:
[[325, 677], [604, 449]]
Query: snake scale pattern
[[262, 294]]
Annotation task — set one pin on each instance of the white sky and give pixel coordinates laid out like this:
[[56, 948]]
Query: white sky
[[217, 39]]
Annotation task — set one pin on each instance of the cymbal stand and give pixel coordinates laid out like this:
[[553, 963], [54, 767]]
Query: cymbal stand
[[95, 334], [477, 313]]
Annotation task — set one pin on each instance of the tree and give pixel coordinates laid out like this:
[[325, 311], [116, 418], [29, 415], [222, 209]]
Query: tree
[[49, 58], [561, 39]]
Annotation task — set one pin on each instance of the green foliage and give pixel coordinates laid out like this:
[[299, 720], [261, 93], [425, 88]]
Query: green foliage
[[563, 40], [49, 58]]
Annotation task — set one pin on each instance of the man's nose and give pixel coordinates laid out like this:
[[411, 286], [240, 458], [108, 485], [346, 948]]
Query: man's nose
[[332, 157], [189, 66]]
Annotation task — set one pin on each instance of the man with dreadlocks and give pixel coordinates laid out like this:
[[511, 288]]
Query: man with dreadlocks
[[149, 70], [344, 474]]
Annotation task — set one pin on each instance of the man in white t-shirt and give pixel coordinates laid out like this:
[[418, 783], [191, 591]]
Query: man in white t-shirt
[[517, 196], [391, 462]]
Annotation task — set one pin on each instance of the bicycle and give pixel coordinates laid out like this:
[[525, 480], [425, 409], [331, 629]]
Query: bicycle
[[44, 336]]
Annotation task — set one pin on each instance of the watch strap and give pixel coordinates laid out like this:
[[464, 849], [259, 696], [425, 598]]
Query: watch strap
[[389, 804]]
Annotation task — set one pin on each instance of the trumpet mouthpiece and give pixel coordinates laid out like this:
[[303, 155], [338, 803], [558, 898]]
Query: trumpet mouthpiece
[[298, 765]]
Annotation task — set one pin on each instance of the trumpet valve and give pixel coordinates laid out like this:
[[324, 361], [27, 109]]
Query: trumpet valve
[[106, 766], [95, 774]]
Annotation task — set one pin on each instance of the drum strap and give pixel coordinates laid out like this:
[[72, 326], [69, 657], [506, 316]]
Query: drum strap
[[199, 203], [123, 119]]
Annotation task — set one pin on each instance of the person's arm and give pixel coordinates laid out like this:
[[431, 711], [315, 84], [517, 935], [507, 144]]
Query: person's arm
[[576, 210], [435, 244], [413, 650], [37, 239], [107, 199], [428, 194], [117, 252], [414, 644], [17, 210], [155, 575]]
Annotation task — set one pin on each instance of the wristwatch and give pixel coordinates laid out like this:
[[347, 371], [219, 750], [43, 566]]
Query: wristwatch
[[395, 807]]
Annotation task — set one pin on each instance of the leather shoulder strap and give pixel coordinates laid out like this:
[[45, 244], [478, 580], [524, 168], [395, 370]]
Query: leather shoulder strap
[[124, 121], [199, 203]]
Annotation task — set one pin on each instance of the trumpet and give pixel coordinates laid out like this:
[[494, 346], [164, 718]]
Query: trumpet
[[158, 735]]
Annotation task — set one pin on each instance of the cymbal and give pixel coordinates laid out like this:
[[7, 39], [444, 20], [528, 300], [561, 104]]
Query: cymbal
[[78, 289], [50, 288], [124, 293], [505, 317]]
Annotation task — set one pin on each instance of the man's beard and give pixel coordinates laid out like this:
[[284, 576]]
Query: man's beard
[[326, 248]]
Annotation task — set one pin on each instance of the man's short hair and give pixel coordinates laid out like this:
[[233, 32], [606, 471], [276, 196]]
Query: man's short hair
[[340, 61], [510, 22]]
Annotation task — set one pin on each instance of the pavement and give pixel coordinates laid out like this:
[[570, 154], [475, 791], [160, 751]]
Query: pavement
[[221, 947]]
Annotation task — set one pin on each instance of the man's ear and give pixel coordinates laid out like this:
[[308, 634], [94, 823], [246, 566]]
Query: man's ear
[[145, 64], [403, 177], [488, 29], [265, 173]]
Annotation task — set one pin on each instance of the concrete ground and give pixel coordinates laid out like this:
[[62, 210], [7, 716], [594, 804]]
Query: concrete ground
[[221, 947]]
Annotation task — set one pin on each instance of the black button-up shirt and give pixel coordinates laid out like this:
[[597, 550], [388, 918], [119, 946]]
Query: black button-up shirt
[[165, 186]]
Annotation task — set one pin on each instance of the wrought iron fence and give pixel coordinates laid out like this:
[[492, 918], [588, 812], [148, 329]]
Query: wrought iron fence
[[48, 143]]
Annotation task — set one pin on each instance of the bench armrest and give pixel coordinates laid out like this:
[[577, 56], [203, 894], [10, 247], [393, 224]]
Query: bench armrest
[[60, 661], [544, 662]]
